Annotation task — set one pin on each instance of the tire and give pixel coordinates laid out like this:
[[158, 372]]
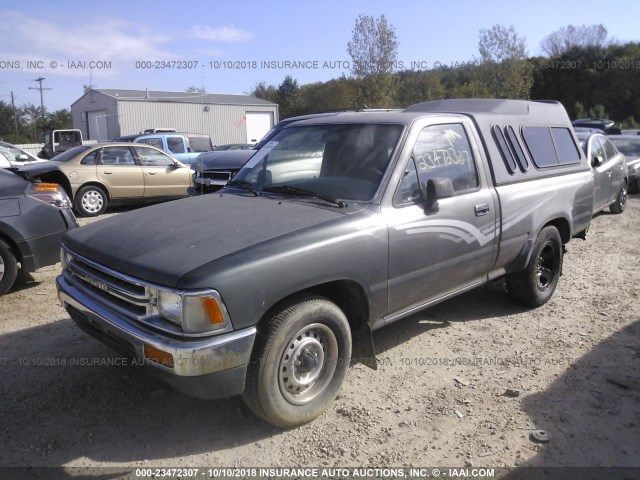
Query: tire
[[621, 200], [300, 359], [90, 201], [8, 268], [534, 285]]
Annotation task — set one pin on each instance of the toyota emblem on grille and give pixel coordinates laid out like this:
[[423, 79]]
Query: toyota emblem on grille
[[97, 283]]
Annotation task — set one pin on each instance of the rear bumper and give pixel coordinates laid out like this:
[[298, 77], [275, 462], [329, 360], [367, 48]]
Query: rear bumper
[[211, 367]]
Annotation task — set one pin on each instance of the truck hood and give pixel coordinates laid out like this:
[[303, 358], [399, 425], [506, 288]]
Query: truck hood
[[162, 243], [224, 159]]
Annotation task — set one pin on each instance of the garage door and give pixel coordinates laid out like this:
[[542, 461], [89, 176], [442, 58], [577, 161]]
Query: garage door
[[258, 123]]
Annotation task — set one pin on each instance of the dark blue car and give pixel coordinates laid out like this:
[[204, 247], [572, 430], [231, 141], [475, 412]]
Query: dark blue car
[[33, 218]]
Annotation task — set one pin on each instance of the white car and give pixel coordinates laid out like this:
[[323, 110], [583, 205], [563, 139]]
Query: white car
[[12, 156]]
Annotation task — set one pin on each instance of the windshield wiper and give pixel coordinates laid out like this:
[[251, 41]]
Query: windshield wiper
[[304, 193], [244, 185]]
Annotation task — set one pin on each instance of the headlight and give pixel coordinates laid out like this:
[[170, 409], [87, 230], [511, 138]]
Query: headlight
[[195, 312], [170, 306], [65, 258]]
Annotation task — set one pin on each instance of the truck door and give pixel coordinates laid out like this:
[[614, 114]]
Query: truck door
[[601, 174], [434, 252]]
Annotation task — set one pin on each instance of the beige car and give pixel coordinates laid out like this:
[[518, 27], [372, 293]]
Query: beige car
[[121, 172]]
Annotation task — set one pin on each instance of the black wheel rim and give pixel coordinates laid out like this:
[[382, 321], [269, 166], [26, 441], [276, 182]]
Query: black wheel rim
[[547, 266], [623, 197]]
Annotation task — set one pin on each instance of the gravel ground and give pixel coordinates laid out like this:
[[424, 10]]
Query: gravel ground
[[464, 383]]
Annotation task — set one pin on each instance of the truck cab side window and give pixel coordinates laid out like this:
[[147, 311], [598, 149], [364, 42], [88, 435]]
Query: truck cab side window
[[176, 145]]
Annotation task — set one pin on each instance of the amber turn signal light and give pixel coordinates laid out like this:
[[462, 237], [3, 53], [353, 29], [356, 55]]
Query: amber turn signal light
[[155, 355]]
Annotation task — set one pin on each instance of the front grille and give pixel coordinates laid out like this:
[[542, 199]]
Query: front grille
[[121, 293]]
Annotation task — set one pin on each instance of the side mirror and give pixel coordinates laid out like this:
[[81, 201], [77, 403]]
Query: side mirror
[[597, 160], [436, 189], [22, 158]]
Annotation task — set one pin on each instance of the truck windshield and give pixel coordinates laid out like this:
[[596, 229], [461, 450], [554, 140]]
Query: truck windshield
[[343, 161]]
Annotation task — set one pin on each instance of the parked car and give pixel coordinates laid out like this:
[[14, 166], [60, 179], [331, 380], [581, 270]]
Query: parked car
[[12, 156], [33, 219], [609, 172], [106, 173], [58, 141], [186, 147], [629, 146], [601, 124], [337, 226]]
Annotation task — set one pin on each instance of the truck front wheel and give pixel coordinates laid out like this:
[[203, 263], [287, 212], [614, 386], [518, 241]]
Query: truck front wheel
[[301, 357], [534, 285]]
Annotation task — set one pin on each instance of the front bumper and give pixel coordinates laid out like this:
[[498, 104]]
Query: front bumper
[[211, 367]]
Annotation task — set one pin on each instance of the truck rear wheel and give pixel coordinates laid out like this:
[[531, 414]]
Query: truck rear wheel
[[534, 285], [300, 359]]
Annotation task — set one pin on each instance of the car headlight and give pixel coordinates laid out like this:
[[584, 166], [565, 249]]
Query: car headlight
[[195, 312]]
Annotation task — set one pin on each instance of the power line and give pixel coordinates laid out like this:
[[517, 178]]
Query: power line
[[41, 88]]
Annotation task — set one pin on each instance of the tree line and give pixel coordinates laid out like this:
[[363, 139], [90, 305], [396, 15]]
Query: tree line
[[589, 73], [28, 123]]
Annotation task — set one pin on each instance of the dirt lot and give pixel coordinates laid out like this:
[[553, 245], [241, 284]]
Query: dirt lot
[[438, 398]]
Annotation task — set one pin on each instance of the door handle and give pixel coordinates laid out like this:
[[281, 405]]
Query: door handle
[[482, 209], [107, 173], [151, 173]]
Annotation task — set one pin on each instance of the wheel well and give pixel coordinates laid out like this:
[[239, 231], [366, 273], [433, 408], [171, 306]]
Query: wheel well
[[351, 298], [96, 184], [562, 225], [12, 245], [59, 178]]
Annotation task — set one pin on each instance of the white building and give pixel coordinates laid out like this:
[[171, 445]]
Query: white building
[[105, 114]]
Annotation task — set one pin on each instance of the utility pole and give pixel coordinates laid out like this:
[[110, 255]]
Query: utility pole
[[15, 117], [39, 80]]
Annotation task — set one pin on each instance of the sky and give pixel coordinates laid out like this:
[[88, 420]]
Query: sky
[[228, 47]]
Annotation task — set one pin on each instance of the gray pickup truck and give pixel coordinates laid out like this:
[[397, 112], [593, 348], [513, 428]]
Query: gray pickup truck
[[336, 227]]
